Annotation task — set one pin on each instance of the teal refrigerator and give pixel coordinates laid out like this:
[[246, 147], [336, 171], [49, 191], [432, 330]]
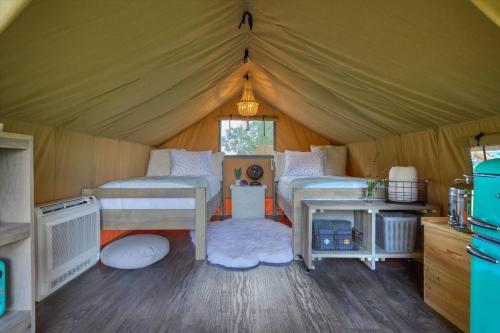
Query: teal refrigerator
[[485, 249]]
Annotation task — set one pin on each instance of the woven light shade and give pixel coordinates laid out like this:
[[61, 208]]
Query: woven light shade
[[247, 107]]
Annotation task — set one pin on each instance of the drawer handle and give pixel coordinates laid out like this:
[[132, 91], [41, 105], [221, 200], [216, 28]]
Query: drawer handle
[[482, 224], [481, 255]]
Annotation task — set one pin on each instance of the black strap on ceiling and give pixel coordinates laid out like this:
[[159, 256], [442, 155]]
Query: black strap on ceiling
[[478, 138], [250, 20], [245, 57], [478, 143]]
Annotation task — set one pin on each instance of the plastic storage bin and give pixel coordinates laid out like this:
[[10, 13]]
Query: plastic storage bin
[[397, 231]]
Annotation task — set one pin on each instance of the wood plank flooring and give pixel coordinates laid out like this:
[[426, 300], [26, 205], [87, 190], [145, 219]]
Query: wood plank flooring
[[179, 294]]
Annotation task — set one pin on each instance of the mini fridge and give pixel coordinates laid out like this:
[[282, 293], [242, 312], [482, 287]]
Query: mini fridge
[[485, 249]]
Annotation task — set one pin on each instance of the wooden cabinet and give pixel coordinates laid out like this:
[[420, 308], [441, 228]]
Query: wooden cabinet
[[16, 231], [447, 271]]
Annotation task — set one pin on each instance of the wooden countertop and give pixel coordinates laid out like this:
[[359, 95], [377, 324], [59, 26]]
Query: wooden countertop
[[441, 223]]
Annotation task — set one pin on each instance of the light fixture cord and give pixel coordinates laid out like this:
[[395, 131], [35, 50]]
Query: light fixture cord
[[245, 56], [264, 122]]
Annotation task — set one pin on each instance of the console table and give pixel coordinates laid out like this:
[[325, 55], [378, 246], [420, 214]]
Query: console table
[[365, 221]]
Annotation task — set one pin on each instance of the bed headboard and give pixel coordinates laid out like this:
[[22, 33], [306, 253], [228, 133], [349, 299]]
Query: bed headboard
[[278, 165], [217, 160]]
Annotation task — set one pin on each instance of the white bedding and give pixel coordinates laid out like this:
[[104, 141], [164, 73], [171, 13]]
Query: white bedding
[[212, 183], [288, 183]]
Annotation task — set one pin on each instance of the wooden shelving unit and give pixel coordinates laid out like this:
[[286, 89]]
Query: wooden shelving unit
[[365, 221], [17, 231]]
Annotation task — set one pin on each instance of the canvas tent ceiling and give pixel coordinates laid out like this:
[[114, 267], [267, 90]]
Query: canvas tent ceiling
[[351, 70]]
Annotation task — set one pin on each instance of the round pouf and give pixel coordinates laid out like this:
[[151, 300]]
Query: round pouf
[[136, 251]]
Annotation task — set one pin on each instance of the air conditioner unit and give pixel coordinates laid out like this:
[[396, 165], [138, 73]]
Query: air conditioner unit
[[68, 242]]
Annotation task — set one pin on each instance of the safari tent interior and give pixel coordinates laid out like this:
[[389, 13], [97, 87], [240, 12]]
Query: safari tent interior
[[249, 166]]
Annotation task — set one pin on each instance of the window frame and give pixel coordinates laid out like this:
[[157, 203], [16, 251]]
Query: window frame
[[266, 118], [482, 148]]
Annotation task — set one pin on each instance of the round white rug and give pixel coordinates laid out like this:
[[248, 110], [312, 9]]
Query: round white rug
[[244, 243]]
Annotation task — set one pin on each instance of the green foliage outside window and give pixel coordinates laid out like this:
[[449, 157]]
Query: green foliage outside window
[[238, 140]]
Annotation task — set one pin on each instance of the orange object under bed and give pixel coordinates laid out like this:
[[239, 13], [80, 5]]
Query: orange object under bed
[[108, 236]]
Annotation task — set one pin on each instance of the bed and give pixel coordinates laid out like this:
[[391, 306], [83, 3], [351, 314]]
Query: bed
[[161, 203], [292, 190], [165, 203]]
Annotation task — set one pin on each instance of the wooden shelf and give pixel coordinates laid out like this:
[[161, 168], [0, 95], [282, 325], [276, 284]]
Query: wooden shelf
[[16, 229], [365, 215], [377, 205], [15, 141], [383, 254], [15, 321], [13, 232], [341, 254]]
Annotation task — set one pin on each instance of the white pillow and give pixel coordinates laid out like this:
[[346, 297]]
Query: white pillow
[[335, 159], [279, 165], [217, 159], [191, 163], [309, 164], [159, 162], [137, 251]]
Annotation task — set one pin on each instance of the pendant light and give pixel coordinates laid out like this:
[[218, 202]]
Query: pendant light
[[248, 106]]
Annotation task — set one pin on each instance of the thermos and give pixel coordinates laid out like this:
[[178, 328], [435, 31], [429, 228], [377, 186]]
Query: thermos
[[2, 288], [460, 202]]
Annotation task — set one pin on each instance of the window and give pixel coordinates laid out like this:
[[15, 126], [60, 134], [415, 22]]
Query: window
[[483, 153], [238, 139]]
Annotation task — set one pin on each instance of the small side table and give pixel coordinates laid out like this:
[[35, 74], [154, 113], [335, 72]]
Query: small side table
[[248, 201]]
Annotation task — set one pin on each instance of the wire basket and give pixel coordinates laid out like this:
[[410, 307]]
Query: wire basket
[[340, 240], [348, 241], [407, 192]]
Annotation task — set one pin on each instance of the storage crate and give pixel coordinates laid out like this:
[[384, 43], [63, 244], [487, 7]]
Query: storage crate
[[344, 241], [396, 231], [348, 241], [324, 233], [324, 240]]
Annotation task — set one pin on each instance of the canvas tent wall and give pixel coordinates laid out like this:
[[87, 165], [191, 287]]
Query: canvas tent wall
[[352, 70], [66, 161], [204, 134], [389, 74]]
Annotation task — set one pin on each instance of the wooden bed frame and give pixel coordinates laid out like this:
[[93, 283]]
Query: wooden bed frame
[[293, 208], [160, 219]]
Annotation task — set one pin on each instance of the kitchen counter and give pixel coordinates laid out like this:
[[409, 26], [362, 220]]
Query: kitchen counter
[[447, 270]]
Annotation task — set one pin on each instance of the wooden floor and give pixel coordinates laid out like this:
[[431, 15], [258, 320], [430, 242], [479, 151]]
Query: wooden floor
[[178, 294]]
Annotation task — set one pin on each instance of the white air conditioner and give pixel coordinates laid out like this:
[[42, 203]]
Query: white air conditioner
[[68, 242]]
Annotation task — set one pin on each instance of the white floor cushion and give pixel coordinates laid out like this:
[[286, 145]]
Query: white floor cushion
[[244, 243], [136, 251]]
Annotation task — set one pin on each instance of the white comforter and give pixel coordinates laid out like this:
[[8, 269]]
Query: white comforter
[[288, 183], [212, 183]]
